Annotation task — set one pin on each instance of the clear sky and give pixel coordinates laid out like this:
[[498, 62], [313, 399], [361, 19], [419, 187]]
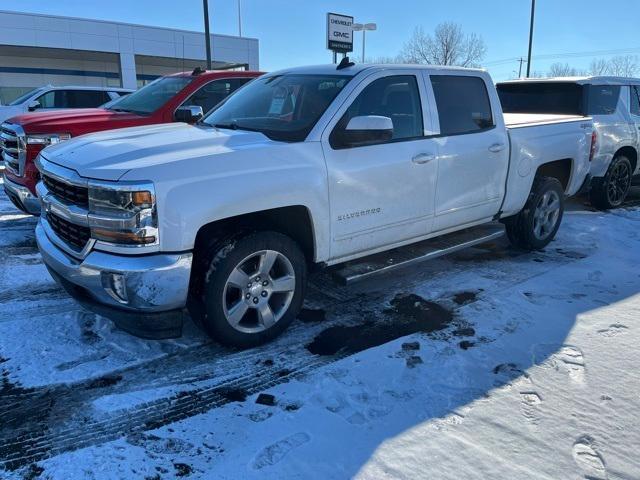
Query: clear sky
[[292, 32]]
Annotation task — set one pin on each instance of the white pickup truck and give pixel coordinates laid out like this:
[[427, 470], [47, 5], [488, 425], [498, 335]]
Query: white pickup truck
[[302, 167]]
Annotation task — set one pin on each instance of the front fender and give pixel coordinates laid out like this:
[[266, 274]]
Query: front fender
[[247, 181]]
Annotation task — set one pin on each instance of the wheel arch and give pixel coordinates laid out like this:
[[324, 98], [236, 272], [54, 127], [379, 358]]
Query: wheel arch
[[295, 221], [631, 153], [560, 169]]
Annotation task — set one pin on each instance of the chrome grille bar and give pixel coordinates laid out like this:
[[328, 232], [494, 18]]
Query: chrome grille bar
[[14, 147]]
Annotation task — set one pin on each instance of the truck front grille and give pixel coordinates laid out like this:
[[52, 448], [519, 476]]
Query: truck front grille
[[74, 235], [13, 148], [68, 193]]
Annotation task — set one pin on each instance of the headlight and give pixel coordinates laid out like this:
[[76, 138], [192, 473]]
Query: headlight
[[123, 213], [45, 140]]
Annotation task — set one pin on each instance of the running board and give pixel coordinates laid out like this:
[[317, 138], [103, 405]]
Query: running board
[[360, 269]]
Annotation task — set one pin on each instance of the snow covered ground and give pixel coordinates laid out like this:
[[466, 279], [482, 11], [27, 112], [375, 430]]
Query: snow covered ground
[[491, 363]]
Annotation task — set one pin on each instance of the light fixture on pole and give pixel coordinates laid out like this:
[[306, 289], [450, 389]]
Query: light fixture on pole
[[364, 27]]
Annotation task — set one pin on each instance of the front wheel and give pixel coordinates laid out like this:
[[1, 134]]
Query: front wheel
[[538, 222], [611, 190], [253, 288]]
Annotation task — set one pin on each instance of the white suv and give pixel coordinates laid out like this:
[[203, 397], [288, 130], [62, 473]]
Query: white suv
[[614, 105], [49, 97]]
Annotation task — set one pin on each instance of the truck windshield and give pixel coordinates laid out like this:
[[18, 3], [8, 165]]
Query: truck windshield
[[556, 98], [23, 98], [282, 107], [150, 97]]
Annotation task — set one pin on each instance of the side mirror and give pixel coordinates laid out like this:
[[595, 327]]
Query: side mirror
[[367, 130], [33, 106], [188, 114]]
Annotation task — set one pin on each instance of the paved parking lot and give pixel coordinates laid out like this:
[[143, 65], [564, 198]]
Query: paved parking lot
[[491, 363]]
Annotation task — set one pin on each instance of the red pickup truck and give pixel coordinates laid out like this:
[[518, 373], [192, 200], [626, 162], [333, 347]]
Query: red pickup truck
[[182, 97]]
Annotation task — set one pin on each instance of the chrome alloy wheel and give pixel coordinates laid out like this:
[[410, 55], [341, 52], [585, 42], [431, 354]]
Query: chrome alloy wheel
[[619, 182], [259, 291], [546, 215]]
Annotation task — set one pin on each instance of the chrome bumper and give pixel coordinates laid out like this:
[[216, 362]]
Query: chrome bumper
[[144, 295], [21, 196]]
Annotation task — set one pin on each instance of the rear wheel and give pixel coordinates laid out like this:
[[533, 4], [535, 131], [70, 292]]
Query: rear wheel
[[611, 190], [253, 288], [538, 222]]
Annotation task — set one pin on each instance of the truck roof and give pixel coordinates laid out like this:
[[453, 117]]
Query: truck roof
[[330, 68], [583, 80]]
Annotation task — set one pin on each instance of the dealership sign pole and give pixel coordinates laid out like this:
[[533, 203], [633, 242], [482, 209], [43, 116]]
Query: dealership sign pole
[[339, 34]]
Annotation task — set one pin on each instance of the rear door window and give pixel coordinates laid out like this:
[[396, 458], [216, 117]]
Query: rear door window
[[86, 98], [635, 100], [603, 99], [463, 104]]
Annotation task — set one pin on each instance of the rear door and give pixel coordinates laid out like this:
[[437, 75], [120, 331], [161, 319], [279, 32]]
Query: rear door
[[473, 154], [382, 194]]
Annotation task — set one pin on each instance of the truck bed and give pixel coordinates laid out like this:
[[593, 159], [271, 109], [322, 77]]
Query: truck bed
[[515, 120]]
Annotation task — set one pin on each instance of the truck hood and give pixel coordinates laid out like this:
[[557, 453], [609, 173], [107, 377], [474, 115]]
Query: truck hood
[[8, 111], [110, 155], [74, 120]]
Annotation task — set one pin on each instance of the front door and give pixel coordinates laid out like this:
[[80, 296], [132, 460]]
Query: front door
[[473, 155], [382, 194]]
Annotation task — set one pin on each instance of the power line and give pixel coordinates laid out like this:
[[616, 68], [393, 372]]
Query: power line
[[551, 56]]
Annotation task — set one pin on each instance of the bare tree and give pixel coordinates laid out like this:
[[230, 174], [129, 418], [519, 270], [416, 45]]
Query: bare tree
[[599, 66], [383, 59], [448, 45], [564, 70], [623, 65]]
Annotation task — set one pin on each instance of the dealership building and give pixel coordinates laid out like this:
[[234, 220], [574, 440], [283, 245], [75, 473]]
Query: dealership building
[[37, 50]]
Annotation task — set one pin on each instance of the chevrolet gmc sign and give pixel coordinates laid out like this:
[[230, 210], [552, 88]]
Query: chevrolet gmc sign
[[339, 32]]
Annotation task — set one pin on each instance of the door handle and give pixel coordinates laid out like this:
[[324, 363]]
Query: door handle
[[423, 158], [496, 147]]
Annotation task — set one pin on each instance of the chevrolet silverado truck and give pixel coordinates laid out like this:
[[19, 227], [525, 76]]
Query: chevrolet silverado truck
[[614, 105], [182, 97], [306, 167]]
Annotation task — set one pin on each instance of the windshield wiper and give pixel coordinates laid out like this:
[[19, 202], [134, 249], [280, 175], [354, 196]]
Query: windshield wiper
[[234, 126], [228, 126]]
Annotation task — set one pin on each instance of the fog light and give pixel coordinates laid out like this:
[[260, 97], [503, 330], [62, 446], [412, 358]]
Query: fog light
[[115, 285]]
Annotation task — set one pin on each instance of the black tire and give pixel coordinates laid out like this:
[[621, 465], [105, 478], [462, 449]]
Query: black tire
[[521, 228], [611, 190], [213, 288]]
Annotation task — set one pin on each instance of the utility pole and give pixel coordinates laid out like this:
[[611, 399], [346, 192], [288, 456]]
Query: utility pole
[[239, 20], [533, 11], [207, 35], [521, 61]]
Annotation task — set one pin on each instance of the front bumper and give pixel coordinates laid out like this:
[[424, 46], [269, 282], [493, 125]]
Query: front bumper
[[144, 295], [21, 197]]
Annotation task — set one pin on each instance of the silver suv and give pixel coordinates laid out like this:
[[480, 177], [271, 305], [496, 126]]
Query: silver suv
[[614, 104]]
